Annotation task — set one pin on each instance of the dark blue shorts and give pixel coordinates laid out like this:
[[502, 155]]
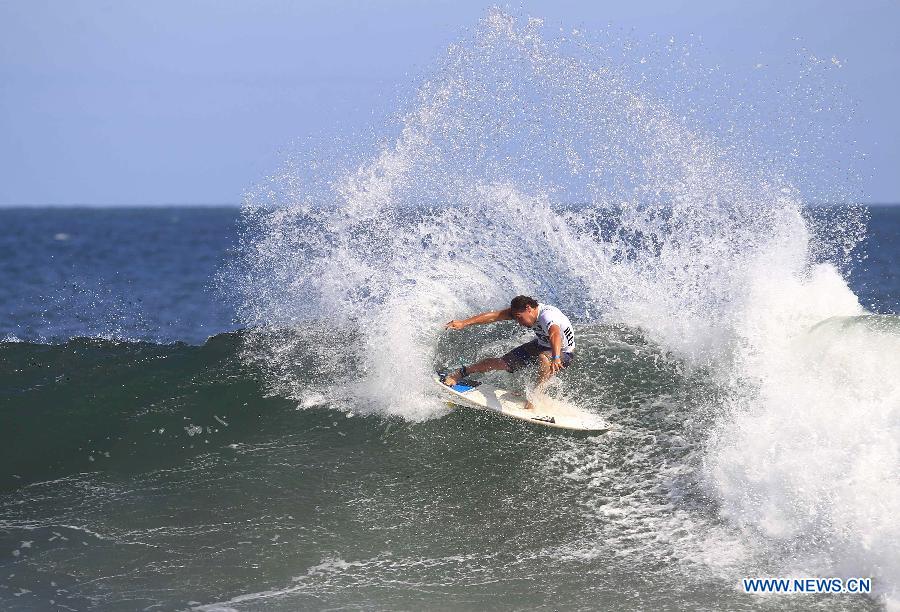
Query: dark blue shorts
[[528, 353]]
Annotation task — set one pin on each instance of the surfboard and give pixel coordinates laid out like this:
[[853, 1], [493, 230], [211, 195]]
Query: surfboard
[[549, 412]]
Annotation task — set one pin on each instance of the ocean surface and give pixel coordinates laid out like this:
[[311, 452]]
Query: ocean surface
[[146, 464], [231, 409]]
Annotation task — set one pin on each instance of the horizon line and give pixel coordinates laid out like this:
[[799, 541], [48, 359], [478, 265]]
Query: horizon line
[[104, 205], [239, 205]]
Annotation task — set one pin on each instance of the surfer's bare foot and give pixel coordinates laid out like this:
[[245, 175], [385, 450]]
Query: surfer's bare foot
[[450, 379], [529, 405]]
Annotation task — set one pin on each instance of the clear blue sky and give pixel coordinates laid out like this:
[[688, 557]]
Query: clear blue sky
[[154, 102]]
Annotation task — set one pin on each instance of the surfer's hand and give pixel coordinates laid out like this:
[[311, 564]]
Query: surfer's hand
[[555, 365], [454, 324]]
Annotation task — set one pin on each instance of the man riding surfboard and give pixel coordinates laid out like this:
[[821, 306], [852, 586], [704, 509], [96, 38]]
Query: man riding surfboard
[[553, 348]]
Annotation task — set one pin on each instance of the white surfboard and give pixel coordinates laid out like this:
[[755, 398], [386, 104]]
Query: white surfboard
[[549, 412]]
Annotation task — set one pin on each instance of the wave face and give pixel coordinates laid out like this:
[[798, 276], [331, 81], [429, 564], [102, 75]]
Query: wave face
[[124, 407], [172, 462], [690, 227]]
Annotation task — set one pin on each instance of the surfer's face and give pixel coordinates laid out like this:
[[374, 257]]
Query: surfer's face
[[527, 317]]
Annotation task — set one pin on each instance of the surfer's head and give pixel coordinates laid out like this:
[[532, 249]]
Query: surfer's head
[[524, 310]]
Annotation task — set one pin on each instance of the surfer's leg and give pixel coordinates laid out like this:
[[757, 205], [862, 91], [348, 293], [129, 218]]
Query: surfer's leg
[[545, 373], [516, 359], [485, 365]]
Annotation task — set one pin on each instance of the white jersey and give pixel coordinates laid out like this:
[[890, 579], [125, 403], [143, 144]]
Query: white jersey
[[551, 315]]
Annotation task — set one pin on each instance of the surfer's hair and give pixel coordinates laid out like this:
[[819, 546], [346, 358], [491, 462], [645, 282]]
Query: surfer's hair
[[521, 302]]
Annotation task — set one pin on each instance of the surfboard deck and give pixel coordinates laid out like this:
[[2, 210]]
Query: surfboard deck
[[469, 393]]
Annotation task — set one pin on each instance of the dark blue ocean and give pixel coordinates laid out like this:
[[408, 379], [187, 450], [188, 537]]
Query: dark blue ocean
[[118, 273], [151, 273]]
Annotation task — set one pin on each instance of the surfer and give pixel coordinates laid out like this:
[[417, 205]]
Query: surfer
[[552, 349]]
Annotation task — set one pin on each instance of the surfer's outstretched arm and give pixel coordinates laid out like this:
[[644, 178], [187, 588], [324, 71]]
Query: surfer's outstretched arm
[[480, 319]]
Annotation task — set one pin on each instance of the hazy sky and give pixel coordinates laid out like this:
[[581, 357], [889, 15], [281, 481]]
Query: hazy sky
[[153, 102]]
